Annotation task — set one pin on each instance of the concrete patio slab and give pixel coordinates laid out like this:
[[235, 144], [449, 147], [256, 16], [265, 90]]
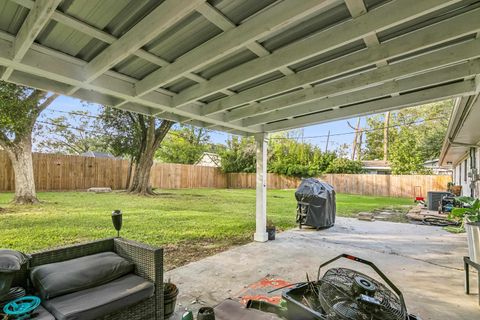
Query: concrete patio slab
[[424, 262]]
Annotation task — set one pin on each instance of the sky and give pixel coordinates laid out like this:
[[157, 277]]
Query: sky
[[66, 104]]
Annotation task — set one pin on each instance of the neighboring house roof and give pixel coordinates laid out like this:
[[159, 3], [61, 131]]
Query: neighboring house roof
[[209, 159], [96, 154], [376, 165], [463, 131]]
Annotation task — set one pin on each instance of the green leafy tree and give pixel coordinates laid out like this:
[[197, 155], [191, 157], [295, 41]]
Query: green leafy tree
[[415, 136], [138, 137], [344, 165], [19, 109], [293, 158], [64, 135], [239, 155], [286, 156], [184, 145]]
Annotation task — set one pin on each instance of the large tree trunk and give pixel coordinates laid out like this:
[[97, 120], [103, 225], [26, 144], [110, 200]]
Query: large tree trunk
[[141, 177], [144, 161], [21, 157]]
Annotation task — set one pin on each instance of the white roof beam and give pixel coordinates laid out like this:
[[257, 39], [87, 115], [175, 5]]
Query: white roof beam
[[427, 79], [87, 29], [217, 18], [49, 66], [388, 15], [441, 32], [264, 23], [387, 104], [160, 19], [35, 21], [436, 59], [357, 8]]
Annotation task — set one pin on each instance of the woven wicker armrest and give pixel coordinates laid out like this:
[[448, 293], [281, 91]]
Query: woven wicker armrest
[[148, 262]]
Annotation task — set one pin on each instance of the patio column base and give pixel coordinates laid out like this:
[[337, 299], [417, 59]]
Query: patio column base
[[260, 237]]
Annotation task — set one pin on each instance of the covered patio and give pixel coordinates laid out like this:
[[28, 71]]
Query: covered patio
[[245, 67], [426, 262]]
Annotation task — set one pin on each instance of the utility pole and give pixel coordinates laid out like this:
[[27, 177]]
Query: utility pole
[[328, 140], [385, 135], [359, 146], [354, 145]]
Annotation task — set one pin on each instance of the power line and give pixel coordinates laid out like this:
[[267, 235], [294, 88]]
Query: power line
[[366, 130], [97, 117]]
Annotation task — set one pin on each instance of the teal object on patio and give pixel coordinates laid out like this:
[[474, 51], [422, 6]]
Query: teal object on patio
[[187, 315], [22, 307]]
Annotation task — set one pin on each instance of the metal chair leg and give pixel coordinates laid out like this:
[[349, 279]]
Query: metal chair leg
[[467, 275]]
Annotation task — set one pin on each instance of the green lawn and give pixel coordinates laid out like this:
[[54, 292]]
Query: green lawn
[[184, 221]]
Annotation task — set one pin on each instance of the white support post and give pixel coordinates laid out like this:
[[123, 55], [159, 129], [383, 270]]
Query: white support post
[[261, 211]]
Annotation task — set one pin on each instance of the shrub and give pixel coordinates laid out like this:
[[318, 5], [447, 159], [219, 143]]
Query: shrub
[[343, 165]]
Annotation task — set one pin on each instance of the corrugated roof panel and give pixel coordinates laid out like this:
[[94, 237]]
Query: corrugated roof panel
[[258, 81], [135, 67], [11, 16], [213, 97], [330, 55], [130, 15], [94, 13], [237, 11], [429, 19], [371, 4], [65, 39], [230, 61], [179, 84], [92, 49], [187, 34], [308, 27]]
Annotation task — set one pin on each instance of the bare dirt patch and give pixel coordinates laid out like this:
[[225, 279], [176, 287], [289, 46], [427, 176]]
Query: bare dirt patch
[[182, 253]]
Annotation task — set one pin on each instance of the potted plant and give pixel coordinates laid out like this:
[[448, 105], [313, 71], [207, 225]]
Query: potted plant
[[450, 186], [471, 222], [170, 293], [271, 230]]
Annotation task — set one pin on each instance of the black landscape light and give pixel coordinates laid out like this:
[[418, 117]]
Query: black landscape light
[[117, 221]]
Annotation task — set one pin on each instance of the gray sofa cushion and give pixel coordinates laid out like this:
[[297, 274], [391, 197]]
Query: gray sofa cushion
[[56, 279], [102, 300], [11, 261], [42, 314]]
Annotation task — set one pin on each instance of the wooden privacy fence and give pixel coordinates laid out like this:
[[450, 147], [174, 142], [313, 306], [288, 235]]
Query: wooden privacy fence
[[60, 172], [365, 184]]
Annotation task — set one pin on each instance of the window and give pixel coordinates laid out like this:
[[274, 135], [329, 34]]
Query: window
[[465, 170]]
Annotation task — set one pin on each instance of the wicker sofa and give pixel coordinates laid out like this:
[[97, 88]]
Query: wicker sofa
[[148, 263]]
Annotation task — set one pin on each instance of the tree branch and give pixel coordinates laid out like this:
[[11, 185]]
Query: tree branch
[[47, 102]]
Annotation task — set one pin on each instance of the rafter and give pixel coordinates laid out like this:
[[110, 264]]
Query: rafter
[[217, 18], [391, 103], [42, 64], [36, 20], [396, 87], [384, 17], [264, 23], [441, 32], [423, 63], [163, 17]]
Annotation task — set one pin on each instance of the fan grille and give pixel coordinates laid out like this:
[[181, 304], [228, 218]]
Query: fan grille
[[339, 298]]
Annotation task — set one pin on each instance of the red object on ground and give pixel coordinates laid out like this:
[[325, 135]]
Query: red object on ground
[[260, 290]]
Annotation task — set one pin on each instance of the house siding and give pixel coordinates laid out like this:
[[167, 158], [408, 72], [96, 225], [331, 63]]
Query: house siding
[[460, 174]]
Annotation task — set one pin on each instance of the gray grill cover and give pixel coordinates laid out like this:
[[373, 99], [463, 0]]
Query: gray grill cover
[[316, 204]]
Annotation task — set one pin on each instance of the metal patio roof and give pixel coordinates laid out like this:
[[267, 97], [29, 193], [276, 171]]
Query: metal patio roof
[[245, 66]]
